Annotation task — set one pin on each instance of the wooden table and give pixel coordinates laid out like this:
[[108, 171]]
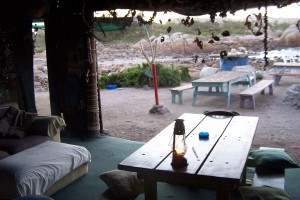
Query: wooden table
[[284, 69], [217, 163], [219, 80]]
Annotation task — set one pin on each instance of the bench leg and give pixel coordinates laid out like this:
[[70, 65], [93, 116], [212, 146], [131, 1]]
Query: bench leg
[[180, 97], [242, 101], [271, 89], [263, 91], [252, 101], [173, 97], [276, 79]]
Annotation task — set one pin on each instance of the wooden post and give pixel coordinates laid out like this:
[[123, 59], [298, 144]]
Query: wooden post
[[155, 84], [92, 106]]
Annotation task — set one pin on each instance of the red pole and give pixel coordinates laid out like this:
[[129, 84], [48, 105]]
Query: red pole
[[155, 83]]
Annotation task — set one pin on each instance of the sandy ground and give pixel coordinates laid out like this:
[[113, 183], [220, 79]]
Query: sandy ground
[[125, 113]]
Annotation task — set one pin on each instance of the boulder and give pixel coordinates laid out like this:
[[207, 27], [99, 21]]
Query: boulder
[[290, 37], [292, 96]]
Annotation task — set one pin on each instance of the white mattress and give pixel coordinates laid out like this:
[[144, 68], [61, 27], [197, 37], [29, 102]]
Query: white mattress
[[33, 171]]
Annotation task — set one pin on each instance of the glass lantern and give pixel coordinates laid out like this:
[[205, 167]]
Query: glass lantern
[[179, 147]]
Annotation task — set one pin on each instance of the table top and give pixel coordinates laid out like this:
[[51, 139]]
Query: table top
[[283, 64], [285, 69], [222, 77], [220, 158]]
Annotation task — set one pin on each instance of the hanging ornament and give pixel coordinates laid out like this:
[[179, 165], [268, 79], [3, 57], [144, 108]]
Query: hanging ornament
[[258, 24], [199, 43], [169, 29], [298, 25], [266, 38], [225, 33]]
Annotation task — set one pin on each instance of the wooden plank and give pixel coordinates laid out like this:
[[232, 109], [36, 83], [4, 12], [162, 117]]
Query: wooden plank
[[157, 149], [258, 87], [201, 148], [184, 87], [228, 158], [283, 64], [221, 77], [284, 74]]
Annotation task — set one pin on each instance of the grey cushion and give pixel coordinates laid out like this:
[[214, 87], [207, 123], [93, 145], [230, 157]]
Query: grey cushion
[[123, 184], [3, 154], [272, 161], [15, 122], [263, 193]]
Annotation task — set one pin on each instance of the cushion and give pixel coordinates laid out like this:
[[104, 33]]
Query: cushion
[[16, 145], [263, 193], [33, 197], [3, 154], [272, 161], [123, 184], [15, 123]]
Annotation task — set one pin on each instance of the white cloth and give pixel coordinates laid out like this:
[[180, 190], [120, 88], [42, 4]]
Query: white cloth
[[36, 169]]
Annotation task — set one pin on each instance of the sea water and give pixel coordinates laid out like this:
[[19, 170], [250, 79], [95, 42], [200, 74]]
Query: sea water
[[287, 54]]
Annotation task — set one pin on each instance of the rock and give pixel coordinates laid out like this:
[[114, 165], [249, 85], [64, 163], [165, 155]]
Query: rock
[[158, 109], [292, 96], [177, 49], [104, 70], [208, 71], [290, 37]]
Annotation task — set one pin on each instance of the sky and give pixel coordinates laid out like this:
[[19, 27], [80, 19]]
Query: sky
[[291, 11]]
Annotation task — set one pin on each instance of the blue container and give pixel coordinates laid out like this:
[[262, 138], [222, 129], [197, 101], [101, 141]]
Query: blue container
[[203, 135], [111, 87], [228, 63]]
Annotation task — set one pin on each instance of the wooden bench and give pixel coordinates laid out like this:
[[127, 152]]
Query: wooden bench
[[249, 93], [284, 69], [277, 76], [178, 91]]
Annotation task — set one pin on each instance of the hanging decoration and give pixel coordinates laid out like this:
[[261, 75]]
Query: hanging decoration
[[141, 21], [258, 24], [265, 41], [187, 21], [298, 25]]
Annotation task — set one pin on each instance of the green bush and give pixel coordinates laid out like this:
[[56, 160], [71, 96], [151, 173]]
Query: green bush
[[168, 76], [39, 44], [259, 76], [185, 76]]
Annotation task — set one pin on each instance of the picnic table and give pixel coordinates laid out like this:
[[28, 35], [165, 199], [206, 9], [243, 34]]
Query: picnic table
[[284, 69], [216, 163], [219, 80]]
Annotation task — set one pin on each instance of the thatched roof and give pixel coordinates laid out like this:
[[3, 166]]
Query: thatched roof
[[187, 7], [36, 8]]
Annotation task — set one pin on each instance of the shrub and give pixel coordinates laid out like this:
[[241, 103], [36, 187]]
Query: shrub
[[168, 76], [259, 76], [184, 74]]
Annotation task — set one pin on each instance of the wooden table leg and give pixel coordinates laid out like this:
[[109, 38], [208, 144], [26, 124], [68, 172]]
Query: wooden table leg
[[228, 95], [194, 96], [276, 79], [223, 193], [150, 187]]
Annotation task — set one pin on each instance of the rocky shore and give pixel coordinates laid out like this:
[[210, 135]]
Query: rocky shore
[[180, 50]]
